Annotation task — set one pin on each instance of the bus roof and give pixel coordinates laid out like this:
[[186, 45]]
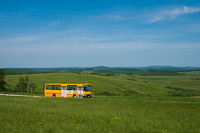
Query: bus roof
[[65, 84]]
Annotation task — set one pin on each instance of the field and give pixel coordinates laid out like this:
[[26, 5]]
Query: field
[[123, 103], [128, 85], [100, 84], [98, 114]]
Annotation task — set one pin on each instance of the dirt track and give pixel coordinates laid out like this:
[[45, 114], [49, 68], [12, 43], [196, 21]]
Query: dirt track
[[16, 95]]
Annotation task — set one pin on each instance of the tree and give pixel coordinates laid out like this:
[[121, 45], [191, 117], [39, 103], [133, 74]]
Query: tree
[[25, 85], [2, 82]]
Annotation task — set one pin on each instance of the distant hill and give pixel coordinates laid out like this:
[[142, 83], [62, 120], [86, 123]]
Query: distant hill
[[170, 68], [158, 70], [100, 67]]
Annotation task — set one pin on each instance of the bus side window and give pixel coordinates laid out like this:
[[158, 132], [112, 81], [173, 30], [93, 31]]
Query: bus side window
[[68, 87], [57, 87], [48, 87], [71, 87]]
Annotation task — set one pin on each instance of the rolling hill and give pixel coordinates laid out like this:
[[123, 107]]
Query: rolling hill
[[100, 84]]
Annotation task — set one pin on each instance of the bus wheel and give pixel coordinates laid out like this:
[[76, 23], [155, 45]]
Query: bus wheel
[[74, 96], [89, 96], [54, 95]]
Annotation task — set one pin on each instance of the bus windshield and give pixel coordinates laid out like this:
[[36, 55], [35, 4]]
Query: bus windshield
[[87, 88]]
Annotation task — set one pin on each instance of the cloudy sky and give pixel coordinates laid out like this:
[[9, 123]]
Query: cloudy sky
[[86, 33]]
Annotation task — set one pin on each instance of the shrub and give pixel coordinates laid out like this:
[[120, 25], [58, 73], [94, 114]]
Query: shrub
[[106, 93], [25, 85], [180, 92], [2, 82]]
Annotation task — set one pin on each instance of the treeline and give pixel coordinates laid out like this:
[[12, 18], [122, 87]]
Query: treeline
[[24, 85], [117, 72], [101, 72], [104, 71], [3, 84], [22, 71]]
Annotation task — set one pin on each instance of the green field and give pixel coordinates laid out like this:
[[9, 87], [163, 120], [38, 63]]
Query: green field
[[116, 85], [100, 84], [197, 73], [98, 114], [124, 103]]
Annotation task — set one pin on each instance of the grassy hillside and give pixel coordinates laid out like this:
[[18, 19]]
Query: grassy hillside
[[186, 85], [185, 81], [100, 84], [197, 73], [183, 85]]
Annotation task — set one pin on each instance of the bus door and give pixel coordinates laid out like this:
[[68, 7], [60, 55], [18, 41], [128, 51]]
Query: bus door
[[63, 91], [80, 92]]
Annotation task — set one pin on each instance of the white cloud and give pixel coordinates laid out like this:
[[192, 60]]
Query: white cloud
[[57, 23], [119, 15], [84, 41], [84, 47], [152, 15], [91, 45], [18, 40], [190, 9], [172, 13]]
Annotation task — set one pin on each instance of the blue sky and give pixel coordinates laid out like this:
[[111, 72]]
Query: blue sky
[[86, 33]]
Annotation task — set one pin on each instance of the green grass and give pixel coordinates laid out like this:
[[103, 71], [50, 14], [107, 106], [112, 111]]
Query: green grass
[[130, 104], [127, 85], [184, 81], [192, 73], [100, 84], [98, 114]]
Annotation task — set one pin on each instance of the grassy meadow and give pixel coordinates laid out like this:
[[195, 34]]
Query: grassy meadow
[[98, 114], [129, 85], [100, 84], [123, 103]]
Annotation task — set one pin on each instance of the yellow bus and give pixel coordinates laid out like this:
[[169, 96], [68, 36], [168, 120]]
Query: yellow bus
[[67, 90]]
